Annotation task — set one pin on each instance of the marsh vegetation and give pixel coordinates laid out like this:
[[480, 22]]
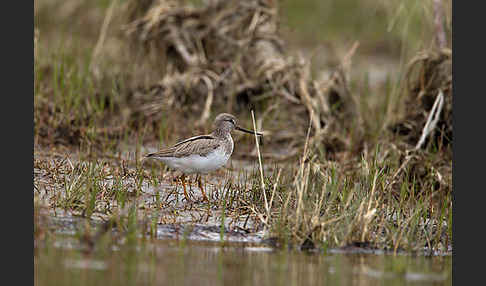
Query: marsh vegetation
[[354, 99]]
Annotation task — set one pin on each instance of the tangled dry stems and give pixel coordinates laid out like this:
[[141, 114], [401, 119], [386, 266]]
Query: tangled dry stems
[[229, 52]]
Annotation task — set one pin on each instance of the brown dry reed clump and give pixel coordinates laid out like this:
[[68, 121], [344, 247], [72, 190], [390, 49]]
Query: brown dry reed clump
[[428, 74], [229, 55], [425, 129], [428, 102]]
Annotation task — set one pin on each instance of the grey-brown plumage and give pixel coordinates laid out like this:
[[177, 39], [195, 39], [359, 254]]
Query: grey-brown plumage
[[201, 145], [223, 124]]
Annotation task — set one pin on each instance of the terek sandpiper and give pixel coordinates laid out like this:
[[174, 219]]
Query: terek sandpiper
[[204, 153]]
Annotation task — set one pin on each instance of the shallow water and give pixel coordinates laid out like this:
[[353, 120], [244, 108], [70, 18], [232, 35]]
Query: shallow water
[[198, 258], [185, 262]]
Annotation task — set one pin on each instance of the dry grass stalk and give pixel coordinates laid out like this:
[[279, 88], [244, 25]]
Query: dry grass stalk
[[431, 119], [36, 39], [101, 39], [439, 24], [260, 163]]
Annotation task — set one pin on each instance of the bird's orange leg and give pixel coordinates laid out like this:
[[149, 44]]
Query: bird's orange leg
[[183, 181], [202, 189]]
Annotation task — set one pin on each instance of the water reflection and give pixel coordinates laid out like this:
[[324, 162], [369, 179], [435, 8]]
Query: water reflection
[[201, 263]]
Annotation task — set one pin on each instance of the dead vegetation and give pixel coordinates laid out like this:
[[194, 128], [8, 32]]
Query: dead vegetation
[[425, 127], [424, 132], [429, 73], [229, 54]]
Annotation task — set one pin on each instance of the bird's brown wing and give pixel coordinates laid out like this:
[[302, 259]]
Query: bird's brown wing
[[201, 145]]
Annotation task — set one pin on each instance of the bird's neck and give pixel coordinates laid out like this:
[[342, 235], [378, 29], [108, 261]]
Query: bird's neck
[[221, 133]]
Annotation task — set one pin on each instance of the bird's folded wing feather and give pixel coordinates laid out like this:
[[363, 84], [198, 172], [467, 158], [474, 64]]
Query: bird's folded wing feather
[[201, 145]]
